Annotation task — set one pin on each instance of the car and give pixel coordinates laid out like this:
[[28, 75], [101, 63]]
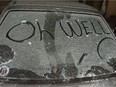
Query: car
[[55, 44]]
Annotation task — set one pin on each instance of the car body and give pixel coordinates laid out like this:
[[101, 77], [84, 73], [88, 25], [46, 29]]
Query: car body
[[49, 44]]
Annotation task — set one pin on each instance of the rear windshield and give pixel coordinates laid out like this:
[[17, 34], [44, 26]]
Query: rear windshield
[[55, 45]]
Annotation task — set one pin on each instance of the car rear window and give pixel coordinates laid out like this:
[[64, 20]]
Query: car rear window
[[55, 45]]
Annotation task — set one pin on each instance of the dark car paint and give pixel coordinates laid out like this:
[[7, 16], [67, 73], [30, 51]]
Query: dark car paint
[[97, 83], [109, 82]]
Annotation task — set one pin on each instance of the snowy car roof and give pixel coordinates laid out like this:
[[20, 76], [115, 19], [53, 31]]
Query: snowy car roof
[[51, 6]]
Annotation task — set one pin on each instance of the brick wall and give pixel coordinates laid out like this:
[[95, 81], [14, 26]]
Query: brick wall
[[111, 10], [3, 4]]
